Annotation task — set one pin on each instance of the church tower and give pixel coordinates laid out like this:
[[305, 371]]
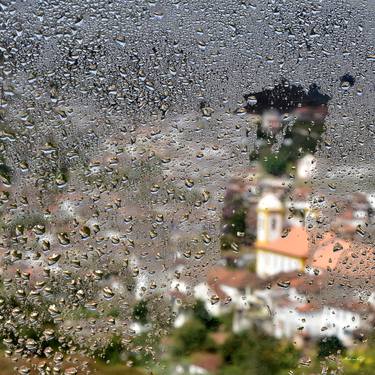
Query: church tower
[[270, 213]]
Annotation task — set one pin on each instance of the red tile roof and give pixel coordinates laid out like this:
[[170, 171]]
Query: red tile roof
[[235, 278], [328, 252], [295, 244], [308, 307]]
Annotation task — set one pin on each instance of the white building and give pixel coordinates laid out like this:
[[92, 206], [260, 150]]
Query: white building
[[226, 290], [270, 218], [276, 251], [306, 167], [317, 320], [301, 310]]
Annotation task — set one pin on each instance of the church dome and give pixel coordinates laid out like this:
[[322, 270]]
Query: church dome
[[270, 202]]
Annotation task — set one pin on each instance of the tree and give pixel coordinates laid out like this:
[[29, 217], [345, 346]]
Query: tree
[[275, 164], [329, 345], [190, 337], [140, 312], [200, 313], [361, 361], [256, 353], [300, 138], [112, 352]]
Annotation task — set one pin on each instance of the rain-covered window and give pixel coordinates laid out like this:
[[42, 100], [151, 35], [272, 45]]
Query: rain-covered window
[[187, 187]]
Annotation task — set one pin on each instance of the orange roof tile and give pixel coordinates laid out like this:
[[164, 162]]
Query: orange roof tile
[[329, 251], [308, 307], [300, 193], [295, 244], [235, 278], [357, 263]]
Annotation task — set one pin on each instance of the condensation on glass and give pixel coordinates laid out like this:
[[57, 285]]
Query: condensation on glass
[[187, 187]]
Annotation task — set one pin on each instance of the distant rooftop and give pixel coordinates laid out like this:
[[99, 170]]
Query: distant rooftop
[[295, 244]]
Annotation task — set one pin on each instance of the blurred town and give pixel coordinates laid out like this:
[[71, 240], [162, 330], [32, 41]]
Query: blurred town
[[290, 291], [294, 264]]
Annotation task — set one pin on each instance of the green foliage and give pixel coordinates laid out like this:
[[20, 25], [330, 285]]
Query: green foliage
[[256, 353], [275, 164], [114, 312], [140, 312], [26, 220], [237, 221], [300, 138], [5, 171], [201, 314], [119, 369], [143, 357], [81, 312], [227, 241], [252, 266], [190, 337], [360, 362], [329, 345], [226, 321], [112, 352], [232, 370], [234, 221], [23, 327]]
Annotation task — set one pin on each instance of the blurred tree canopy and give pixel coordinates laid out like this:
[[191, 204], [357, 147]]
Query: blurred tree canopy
[[200, 313], [329, 345], [256, 353], [140, 312]]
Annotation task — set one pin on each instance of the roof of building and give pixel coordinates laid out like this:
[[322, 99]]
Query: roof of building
[[328, 252], [295, 244], [235, 278], [308, 308], [344, 255], [350, 305], [356, 265], [309, 284], [300, 194]]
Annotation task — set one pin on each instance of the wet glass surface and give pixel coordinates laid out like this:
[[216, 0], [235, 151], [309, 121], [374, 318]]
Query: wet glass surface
[[187, 187]]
